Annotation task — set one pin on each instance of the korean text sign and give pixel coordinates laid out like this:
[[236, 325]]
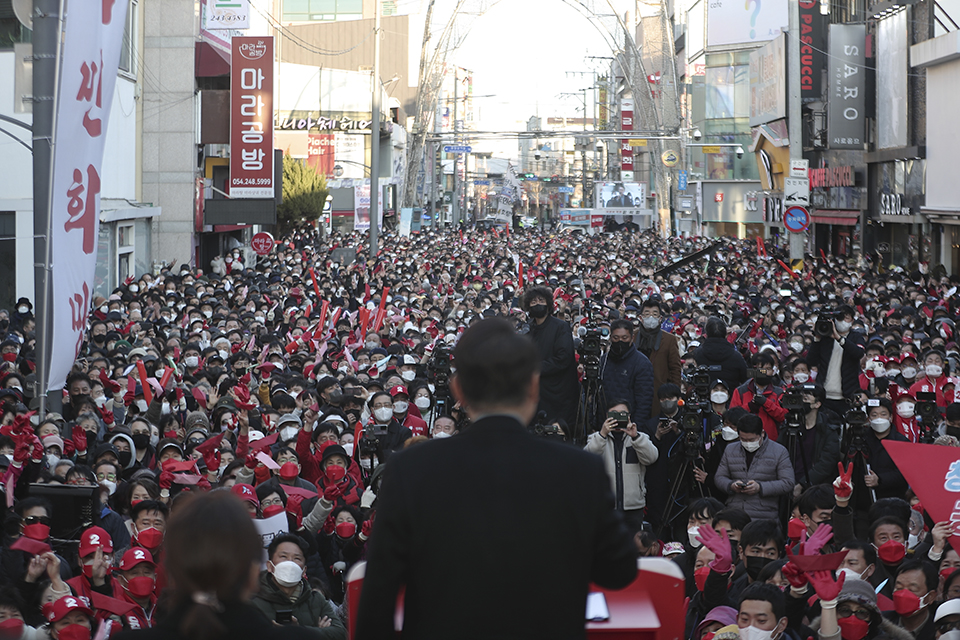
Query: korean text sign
[[251, 118]]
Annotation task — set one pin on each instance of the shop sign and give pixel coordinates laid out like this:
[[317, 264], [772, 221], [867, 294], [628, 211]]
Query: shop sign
[[891, 205], [322, 123], [832, 177]]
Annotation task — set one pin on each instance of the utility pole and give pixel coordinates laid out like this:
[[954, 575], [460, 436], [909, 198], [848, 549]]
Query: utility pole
[[455, 196], [46, 54], [793, 105], [375, 140]]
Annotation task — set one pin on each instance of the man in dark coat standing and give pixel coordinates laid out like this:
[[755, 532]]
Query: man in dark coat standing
[[454, 514], [559, 385], [626, 374], [836, 356], [660, 347], [716, 351]]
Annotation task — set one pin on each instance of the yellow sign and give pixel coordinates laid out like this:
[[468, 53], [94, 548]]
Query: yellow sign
[[711, 149], [670, 158], [637, 142]]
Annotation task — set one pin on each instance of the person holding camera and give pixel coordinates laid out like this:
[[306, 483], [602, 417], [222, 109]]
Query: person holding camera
[[626, 453], [383, 432], [836, 353], [716, 351], [817, 445], [626, 373], [559, 385], [660, 347], [760, 396]]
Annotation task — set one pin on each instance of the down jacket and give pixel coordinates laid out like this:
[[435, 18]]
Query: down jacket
[[770, 468]]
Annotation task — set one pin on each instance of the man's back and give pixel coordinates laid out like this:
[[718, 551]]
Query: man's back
[[495, 533]]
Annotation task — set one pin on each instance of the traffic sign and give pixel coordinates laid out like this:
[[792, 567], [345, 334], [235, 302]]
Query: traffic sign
[[457, 148], [796, 191], [670, 158], [796, 219], [565, 190], [262, 243], [799, 168], [682, 180], [482, 183]]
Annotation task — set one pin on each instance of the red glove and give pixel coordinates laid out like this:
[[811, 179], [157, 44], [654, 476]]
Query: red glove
[[329, 526], [826, 587], [266, 369], [295, 505], [21, 452], [720, 547], [366, 529], [794, 575], [330, 494], [204, 484], [107, 416], [166, 479], [842, 486], [68, 449], [110, 385], [816, 542], [251, 462], [212, 460], [79, 437], [37, 449]]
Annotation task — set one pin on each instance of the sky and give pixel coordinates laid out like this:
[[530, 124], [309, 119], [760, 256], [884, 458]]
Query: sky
[[523, 53]]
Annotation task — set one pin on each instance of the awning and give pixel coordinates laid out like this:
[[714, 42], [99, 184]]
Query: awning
[[835, 216], [209, 61]]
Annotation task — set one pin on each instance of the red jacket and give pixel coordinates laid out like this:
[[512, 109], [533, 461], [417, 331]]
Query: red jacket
[[926, 385], [909, 428], [416, 425], [138, 618], [771, 413], [310, 463]]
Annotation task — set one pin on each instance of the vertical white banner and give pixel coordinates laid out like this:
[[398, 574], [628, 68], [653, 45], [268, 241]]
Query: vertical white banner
[[88, 73]]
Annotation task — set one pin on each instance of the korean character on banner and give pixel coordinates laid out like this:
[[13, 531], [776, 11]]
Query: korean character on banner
[[251, 79], [251, 106], [82, 206], [79, 305], [91, 90], [252, 159], [252, 132]]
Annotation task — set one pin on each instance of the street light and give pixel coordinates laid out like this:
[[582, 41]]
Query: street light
[[337, 171]]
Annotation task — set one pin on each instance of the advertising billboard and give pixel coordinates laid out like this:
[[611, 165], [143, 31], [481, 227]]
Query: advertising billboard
[[846, 97], [732, 22], [621, 195], [251, 118], [768, 82]]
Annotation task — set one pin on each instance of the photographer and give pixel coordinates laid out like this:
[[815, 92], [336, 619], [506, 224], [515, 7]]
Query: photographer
[[383, 434], [836, 354], [559, 387], [627, 373], [626, 454], [715, 350], [759, 395], [817, 449]]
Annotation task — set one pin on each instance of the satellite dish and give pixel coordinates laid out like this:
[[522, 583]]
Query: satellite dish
[[23, 9]]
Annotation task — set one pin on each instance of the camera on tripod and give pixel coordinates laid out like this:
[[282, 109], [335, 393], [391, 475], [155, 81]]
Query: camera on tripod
[[590, 350], [438, 367], [928, 414], [701, 378], [792, 398], [824, 327]]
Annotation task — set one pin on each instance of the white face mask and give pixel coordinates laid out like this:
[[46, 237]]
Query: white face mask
[[287, 573], [893, 373], [191, 361], [880, 425], [905, 409], [909, 372], [796, 347], [755, 633], [719, 397], [912, 541], [441, 434], [729, 434], [408, 375], [692, 537], [801, 378], [289, 433], [110, 486], [933, 370], [843, 326], [400, 407], [750, 447], [383, 414], [422, 402], [850, 573], [23, 309], [781, 317], [651, 322], [165, 408], [52, 460], [142, 405], [224, 355]]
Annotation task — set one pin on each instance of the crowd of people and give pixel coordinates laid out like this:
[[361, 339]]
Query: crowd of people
[[721, 392]]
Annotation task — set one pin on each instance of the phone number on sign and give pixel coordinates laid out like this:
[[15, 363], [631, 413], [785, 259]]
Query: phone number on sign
[[251, 182]]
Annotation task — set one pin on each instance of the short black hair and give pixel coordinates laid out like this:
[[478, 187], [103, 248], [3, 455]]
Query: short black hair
[[763, 358], [767, 593], [621, 324], [668, 390], [760, 532], [705, 507], [869, 553], [716, 328], [897, 507], [149, 505], [819, 496], [738, 518], [750, 423], [929, 571], [282, 400], [733, 415], [495, 364], [885, 520], [288, 537]]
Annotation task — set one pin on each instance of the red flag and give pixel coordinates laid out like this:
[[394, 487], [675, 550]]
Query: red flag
[[318, 334], [787, 269], [537, 261], [336, 316], [823, 255], [316, 289], [167, 373], [933, 472], [520, 275], [147, 393]]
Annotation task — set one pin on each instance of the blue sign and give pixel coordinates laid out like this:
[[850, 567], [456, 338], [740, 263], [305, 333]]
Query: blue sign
[[796, 219], [456, 148], [482, 183], [682, 181], [565, 190]]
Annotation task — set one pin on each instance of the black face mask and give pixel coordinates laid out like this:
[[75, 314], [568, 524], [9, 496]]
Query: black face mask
[[953, 431], [762, 379], [335, 396], [755, 565], [538, 311], [141, 440], [619, 349], [99, 338], [125, 457]]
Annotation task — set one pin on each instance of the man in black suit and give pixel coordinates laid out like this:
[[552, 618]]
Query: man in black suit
[[495, 533]]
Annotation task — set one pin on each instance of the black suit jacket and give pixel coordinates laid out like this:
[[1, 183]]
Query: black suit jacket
[[496, 534]]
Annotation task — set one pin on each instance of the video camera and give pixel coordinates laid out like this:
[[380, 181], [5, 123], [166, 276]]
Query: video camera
[[438, 367], [540, 427], [701, 378], [792, 398], [590, 350], [928, 414], [824, 326]]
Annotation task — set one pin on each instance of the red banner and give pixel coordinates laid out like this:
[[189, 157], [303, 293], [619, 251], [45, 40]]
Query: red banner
[[320, 153], [933, 472], [251, 118]]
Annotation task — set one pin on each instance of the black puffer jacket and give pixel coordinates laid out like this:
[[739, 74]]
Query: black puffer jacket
[[559, 386], [717, 351]]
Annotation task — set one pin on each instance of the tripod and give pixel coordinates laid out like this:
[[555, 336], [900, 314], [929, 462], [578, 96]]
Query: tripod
[[682, 482], [591, 396]]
